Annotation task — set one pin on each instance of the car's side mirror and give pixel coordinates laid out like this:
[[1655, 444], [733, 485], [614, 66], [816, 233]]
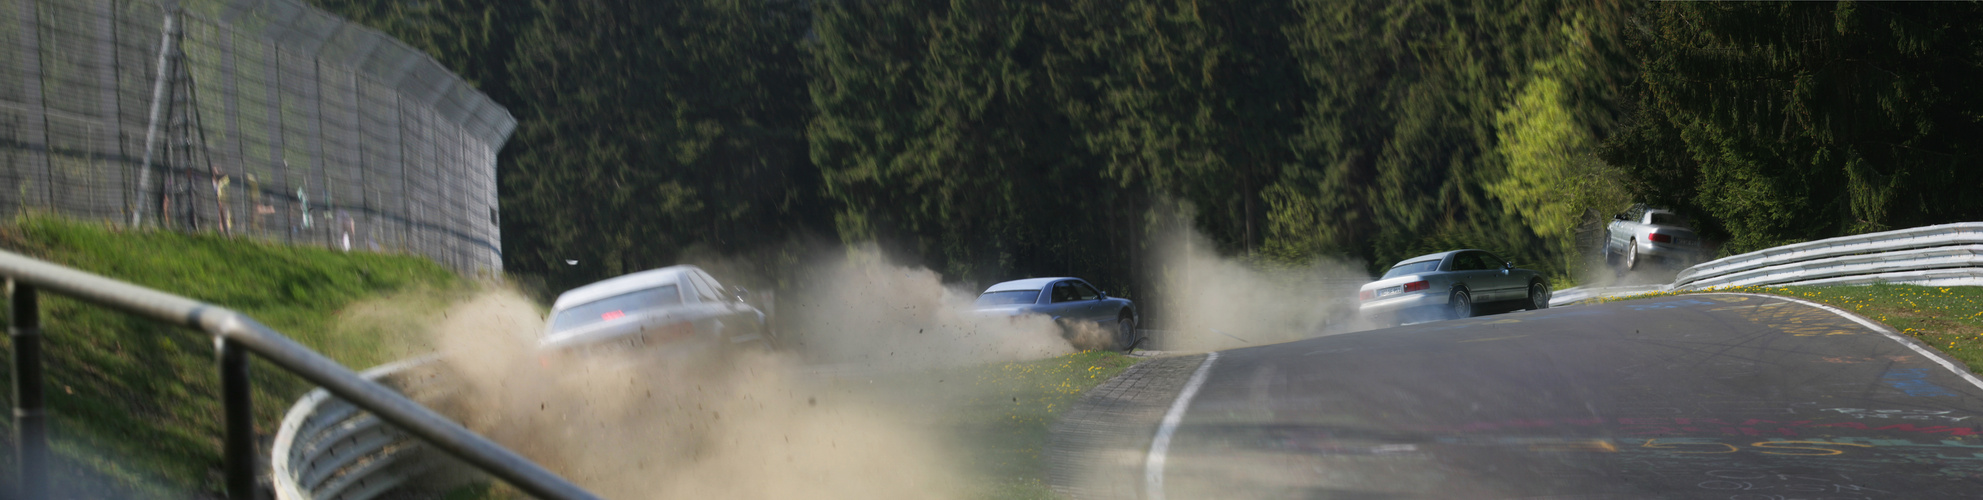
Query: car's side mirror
[[1508, 265], [1618, 217], [740, 293], [1102, 296]]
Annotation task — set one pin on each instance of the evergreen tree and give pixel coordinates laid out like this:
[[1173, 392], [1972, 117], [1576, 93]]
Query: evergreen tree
[[1794, 121], [939, 133], [651, 126]]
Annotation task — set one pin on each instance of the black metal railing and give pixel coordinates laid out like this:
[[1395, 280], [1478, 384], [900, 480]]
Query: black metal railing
[[235, 336]]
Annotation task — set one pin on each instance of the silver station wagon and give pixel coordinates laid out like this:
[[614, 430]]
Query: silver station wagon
[[672, 309], [1455, 284]]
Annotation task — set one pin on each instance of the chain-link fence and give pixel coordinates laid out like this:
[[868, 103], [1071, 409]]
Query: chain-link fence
[[272, 120]]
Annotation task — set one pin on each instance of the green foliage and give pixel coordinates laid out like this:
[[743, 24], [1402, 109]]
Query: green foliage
[[1795, 121], [1404, 137], [135, 403], [472, 36], [644, 128], [1188, 100], [991, 139], [937, 133], [1554, 179], [647, 127], [945, 128]]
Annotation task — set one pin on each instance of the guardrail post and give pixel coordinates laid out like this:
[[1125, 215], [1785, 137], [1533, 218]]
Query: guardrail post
[[30, 416], [235, 395], [237, 336]]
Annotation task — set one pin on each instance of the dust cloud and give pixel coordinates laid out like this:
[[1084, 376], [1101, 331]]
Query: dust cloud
[[725, 423], [863, 311], [1598, 272], [1212, 302]]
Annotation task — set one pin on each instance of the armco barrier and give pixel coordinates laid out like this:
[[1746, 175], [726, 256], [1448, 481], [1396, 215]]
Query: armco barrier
[[1579, 294], [236, 337], [1895, 263], [328, 449], [1942, 255], [1893, 257]]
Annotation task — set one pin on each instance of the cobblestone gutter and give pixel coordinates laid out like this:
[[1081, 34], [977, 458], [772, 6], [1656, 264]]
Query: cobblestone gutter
[[1097, 450]]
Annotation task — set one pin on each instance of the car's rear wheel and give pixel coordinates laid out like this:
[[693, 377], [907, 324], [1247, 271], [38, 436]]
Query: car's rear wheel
[[1538, 296], [1461, 305], [1125, 333], [1632, 255]]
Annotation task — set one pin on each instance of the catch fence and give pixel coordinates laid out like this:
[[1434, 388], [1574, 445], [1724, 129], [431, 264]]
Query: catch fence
[[271, 120]]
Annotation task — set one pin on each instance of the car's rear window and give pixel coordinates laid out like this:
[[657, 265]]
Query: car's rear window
[[1665, 219], [616, 307], [1409, 268], [1009, 297]]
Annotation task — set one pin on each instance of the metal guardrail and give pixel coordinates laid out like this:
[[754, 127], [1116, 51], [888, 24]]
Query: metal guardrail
[[1885, 253], [235, 335], [1883, 263], [1941, 255], [330, 449], [1574, 295], [1938, 277]]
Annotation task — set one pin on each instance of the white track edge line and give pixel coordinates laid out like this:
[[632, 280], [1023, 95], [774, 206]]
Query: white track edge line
[[1153, 466], [1937, 357]]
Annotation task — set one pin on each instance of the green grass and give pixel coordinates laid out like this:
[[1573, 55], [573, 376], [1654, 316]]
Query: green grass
[[1947, 318], [1015, 404], [135, 403], [1003, 413]]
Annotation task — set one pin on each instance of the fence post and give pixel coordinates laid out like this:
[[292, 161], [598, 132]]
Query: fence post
[[158, 101], [30, 415], [237, 400]]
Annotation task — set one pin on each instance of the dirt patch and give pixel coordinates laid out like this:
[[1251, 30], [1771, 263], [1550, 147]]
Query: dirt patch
[[694, 422]]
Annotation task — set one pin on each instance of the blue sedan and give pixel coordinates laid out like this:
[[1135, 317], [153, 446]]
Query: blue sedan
[[1067, 301]]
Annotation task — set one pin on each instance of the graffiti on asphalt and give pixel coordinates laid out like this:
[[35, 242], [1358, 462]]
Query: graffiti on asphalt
[[1914, 382]]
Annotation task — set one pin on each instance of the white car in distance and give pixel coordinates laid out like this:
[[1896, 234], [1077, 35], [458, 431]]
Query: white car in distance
[[1633, 240]]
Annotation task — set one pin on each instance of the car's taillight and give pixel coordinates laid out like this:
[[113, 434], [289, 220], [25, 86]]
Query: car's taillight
[[1417, 285], [1660, 238], [1363, 295]]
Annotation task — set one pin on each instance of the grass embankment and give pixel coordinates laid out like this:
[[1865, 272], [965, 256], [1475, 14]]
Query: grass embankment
[[997, 417], [1015, 404], [1946, 318], [135, 406]]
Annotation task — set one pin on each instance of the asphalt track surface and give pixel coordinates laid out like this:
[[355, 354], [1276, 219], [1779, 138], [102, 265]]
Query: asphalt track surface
[[1712, 396]]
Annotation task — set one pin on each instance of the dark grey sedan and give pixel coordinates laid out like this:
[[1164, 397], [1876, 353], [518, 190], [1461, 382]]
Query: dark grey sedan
[[1452, 284], [1066, 301]]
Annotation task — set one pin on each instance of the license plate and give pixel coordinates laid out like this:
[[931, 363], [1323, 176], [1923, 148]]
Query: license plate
[[627, 344], [1390, 291]]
